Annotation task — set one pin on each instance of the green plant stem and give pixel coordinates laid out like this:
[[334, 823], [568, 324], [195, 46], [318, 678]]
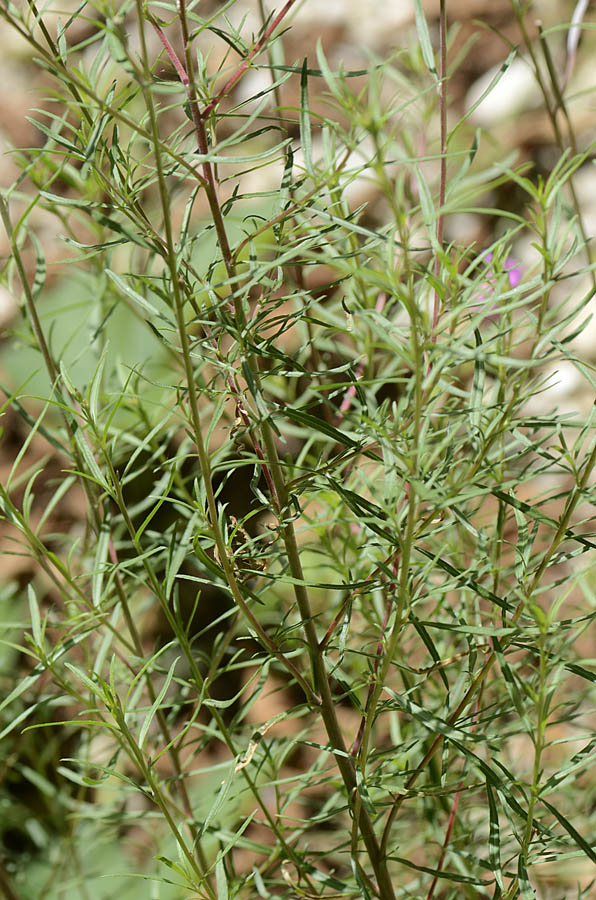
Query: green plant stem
[[443, 161], [159, 799], [387, 565], [49, 363], [321, 681], [93, 504], [193, 400], [54, 64], [200, 683], [163, 725], [539, 744], [560, 534], [552, 114]]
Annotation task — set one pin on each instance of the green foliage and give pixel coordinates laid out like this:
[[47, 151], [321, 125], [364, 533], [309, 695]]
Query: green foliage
[[322, 631]]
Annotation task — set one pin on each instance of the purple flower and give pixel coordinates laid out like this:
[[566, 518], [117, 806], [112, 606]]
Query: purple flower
[[514, 273]]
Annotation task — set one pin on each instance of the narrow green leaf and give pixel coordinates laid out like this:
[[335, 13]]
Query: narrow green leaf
[[93, 469], [180, 550], [34, 616], [305, 133], [156, 704], [155, 509], [320, 73], [360, 880], [95, 385], [97, 131], [95, 687], [134, 295], [571, 831], [580, 760], [494, 840], [218, 803], [39, 278], [29, 680], [206, 560], [429, 209], [424, 38], [73, 151], [319, 425], [477, 395], [525, 888], [434, 724], [369, 513], [441, 873], [15, 721], [174, 867], [61, 42], [260, 884], [221, 880], [99, 565], [428, 643], [470, 111]]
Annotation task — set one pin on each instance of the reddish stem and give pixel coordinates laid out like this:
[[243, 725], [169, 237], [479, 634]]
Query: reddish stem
[[450, 825], [198, 119], [170, 51], [245, 62], [451, 822]]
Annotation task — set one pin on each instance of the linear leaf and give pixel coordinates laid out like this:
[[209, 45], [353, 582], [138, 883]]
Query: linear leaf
[[424, 38], [305, 133], [319, 425], [435, 724], [526, 890], [156, 704], [571, 831], [494, 839]]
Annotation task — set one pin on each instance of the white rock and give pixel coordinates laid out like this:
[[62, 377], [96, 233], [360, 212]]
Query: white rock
[[365, 20], [515, 93], [463, 228], [8, 307], [562, 383]]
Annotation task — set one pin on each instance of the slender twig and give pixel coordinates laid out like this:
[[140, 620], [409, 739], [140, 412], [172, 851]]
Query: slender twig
[[573, 499], [204, 463], [551, 109], [241, 70], [6, 885], [450, 823], [381, 652], [320, 677], [443, 160]]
